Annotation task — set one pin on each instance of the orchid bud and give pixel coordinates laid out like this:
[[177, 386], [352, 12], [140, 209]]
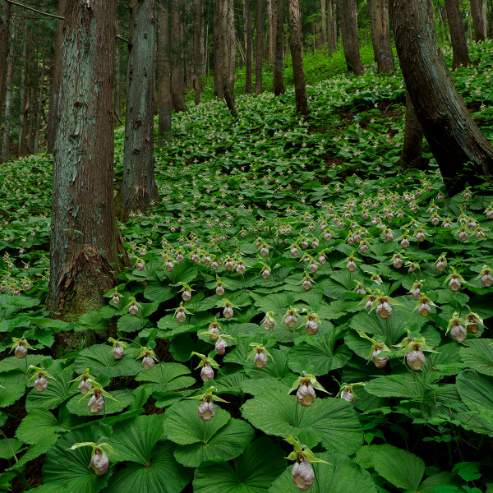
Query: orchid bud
[[307, 283], [269, 322], [207, 373], [458, 332], [378, 359], [405, 243], [351, 265], [397, 261], [347, 395], [228, 311], [148, 361], [206, 410], [115, 299], [415, 359], [486, 276], [220, 346], [133, 309], [260, 359], [220, 290], [312, 326], [454, 283], [266, 273], [290, 319], [118, 351], [306, 394], [96, 402], [140, 265], [322, 259], [99, 462], [41, 382], [241, 268], [186, 295], [383, 309], [264, 251], [180, 315], [303, 475], [85, 386], [170, 266], [20, 351]]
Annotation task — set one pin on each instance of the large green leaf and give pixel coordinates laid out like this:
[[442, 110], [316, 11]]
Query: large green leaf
[[161, 474], [12, 363], [391, 330], [478, 355], [253, 472], [37, 426], [167, 377], [9, 447], [476, 391], [406, 385], [340, 475], [331, 422], [399, 467], [100, 361], [13, 386], [119, 400]]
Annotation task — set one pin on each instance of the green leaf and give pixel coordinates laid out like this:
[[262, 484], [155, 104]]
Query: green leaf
[[399, 467], [331, 422], [37, 426], [158, 293], [476, 391], [407, 385], [99, 359], [130, 323], [12, 363], [9, 447], [468, 471], [253, 472], [478, 355], [13, 386], [391, 330], [340, 475], [121, 399], [167, 377], [162, 474]]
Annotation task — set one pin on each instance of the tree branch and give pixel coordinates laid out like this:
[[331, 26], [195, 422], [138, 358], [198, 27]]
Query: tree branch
[[53, 16]]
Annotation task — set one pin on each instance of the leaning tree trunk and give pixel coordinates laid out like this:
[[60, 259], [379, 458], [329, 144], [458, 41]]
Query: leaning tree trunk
[[164, 96], [411, 156], [348, 18], [457, 33], [278, 75], [478, 11], [55, 78], [139, 187], [84, 238], [380, 35], [462, 153], [178, 50], [259, 46], [296, 46], [247, 14]]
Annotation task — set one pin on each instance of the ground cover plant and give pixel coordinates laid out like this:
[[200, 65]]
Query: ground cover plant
[[298, 313]]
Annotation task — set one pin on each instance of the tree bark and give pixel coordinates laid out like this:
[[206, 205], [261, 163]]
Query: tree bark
[[259, 46], [178, 62], [296, 46], [462, 153], [219, 47], [348, 18], [278, 76], [332, 25], [5, 34], [84, 237], [411, 156], [198, 43], [323, 21], [139, 188], [457, 33], [8, 88], [164, 95], [478, 12], [247, 13], [380, 35], [25, 88], [55, 78], [271, 16]]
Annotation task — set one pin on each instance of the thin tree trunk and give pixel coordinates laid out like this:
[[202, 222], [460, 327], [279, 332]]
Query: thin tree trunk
[[25, 89], [278, 82], [259, 46], [34, 109], [8, 91], [84, 237], [164, 97], [178, 63], [139, 187], [198, 42], [411, 156], [380, 35], [219, 48], [461, 151], [332, 25], [478, 8], [348, 18], [457, 33], [296, 45], [117, 81], [247, 13], [55, 77], [5, 35], [271, 16], [323, 21]]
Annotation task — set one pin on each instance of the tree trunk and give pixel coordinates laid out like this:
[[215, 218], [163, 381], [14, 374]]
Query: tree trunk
[[348, 18], [323, 21], [219, 47], [164, 96], [35, 103], [5, 34], [332, 25], [25, 89], [230, 46], [178, 63], [84, 238], [259, 46], [198, 43], [247, 13], [271, 16], [457, 33], [411, 156], [462, 153], [278, 76], [8, 90], [478, 11], [296, 45], [139, 187], [55, 77], [380, 35]]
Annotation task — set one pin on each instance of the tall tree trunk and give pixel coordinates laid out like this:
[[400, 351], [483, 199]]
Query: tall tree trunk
[[271, 16], [478, 11], [332, 25], [35, 103], [380, 35], [411, 156], [247, 13], [219, 47], [278, 82], [230, 47], [259, 46], [198, 43], [462, 153], [25, 88], [5, 34], [84, 238], [178, 50], [457, 33], [296, 45], [164, 96], [139, 187], [55, 77], [8, 91], [348, 18], [323, 21]]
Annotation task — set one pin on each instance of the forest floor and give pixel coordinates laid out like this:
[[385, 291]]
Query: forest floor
[[309, 227]]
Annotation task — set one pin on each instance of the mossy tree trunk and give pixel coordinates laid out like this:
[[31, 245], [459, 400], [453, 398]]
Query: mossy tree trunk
[[462, 152], [139, 188], [84, 237]]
